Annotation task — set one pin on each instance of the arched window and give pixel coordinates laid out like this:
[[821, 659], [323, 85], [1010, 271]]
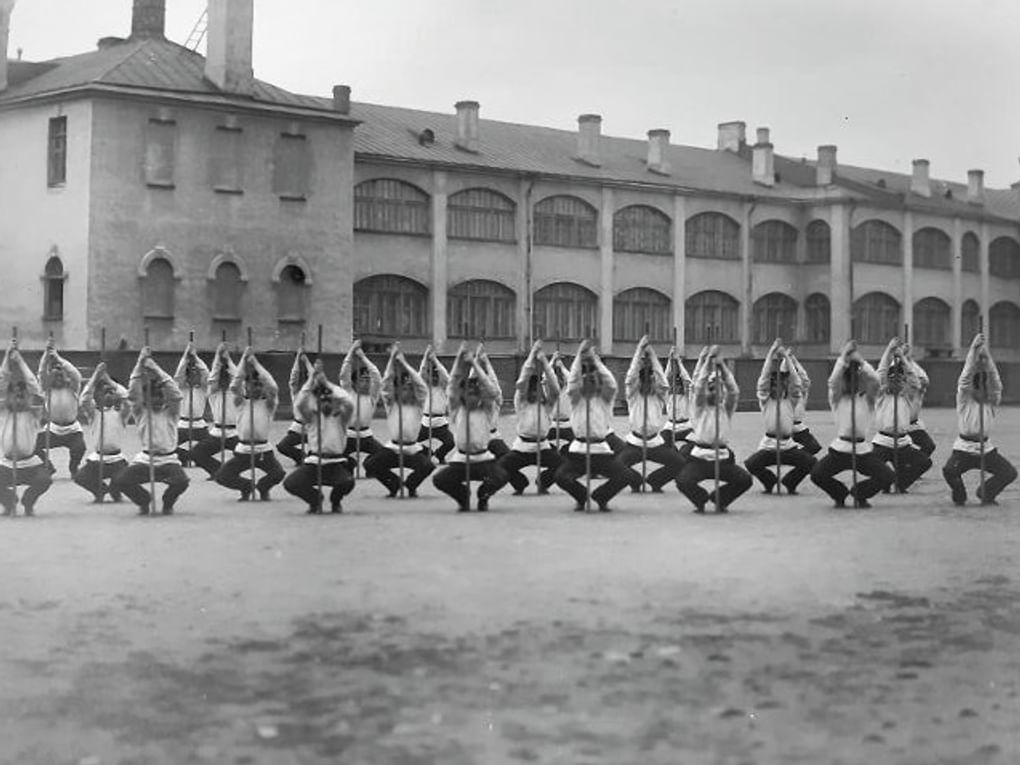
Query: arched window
[[818, 316], [1004, 258], [391, 306], [564, 221], [481, 214], [481, 308], [292, 295], [932, 249], [931, 323], [774, 241], [158, 290], [971, 250], [640, 228], [1004, 325], [819, 242], [970, 321], [876, 318], [640, 307], [875, 241], [711, 317], [565, 311], [775, 315], [53, 290], [391, 206], [712, 235], [226, 292]]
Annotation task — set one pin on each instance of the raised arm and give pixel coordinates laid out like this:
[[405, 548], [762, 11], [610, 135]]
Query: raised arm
[[389, 375], [459, 372], [764, 384], [608, 385], [421, 390], [888, 357], [837, 386], [732, 389], [300, 371], [702, 371], [223, 370], [527, 369], [549, 380], [574, 377]]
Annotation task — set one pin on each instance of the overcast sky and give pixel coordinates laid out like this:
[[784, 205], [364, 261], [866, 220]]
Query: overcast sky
[[887, 81]]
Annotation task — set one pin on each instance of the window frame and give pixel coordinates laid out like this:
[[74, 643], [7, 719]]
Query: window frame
[[773, 315], [866, 331], [56, 152], [728, 308], [495, 301], [720, 243], [813, 308], [933, 249], [631, 314], [876, 242], [478, 222], [564, 220], [413, 209], [642, 229], [774, 241], [404, 292], [813, 242], [921, 335], [561, 311]]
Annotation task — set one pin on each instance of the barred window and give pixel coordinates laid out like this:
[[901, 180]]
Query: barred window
[[1004, 325], [56, 152], [388, 305], [391, 206], [160, 153], [563, 221], [819, 242], [481, 214], [226, 165], [158, 290], [711, 317], [774, 241], [565, 311], [53, 290], [971, 251], [712, 235], [932, 249], [970, 320], [292, 166], [638, 308], [931, 323], [876, 318], [818, 315], [481, 308], [775, 315], [1004, 258], [226, 293], [875, 241], [292, 295], [640, 228]]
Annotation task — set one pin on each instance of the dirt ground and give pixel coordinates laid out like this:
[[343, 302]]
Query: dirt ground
[[401, 632]]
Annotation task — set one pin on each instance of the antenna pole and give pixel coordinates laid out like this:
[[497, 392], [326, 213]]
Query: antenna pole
[[102, 417], [149, 412], [251, 423]]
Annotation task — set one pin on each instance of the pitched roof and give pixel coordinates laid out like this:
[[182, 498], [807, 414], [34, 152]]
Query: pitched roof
[[149, 64]]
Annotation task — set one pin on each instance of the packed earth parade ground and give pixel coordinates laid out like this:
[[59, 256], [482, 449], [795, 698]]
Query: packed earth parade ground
[[401, 632]]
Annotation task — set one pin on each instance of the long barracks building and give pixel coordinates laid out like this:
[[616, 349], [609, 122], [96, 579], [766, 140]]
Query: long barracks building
[[148, 186]]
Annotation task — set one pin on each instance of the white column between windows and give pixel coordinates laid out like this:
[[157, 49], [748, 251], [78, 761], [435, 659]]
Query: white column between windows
[[986, 287], [907, 315], [840, 307], [956, 312], [437, 293], [679, 269], [606, 281]]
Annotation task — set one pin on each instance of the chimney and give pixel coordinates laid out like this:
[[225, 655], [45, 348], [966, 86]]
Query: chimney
[[228, 45], [920, 184], [658, 145], [732, 136], [589, 128], [976, 187], [342, 99], [6, 6], [762, 161], [148, 19], [467, 125], [825, 170]]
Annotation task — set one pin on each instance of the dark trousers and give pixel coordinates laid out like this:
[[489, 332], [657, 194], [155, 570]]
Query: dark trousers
[[500, 449], [230, 474], [513, 462], [879, 475], [673, 439], [922, 441], [382, 464], [368, 445], [73, 442], [566, 436], [206, 453], [292, 446], [798, 459], [908, 463], [733, 481], [450, 480], [36, 478], [998, 467], [132, 480], [807, 442], [442, 434], [301, 482], [88, 478], [664, 455], [608, 466], [184, 454], [616, 443]]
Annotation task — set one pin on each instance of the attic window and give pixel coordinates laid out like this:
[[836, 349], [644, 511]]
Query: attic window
[[880, 183], [427, 137], [949, 194]]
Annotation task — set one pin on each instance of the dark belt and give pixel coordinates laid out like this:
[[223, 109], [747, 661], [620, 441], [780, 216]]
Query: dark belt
[[474, 454], [851, 440], [891, 434], [406, 443], [707, 446], [252, 443], [591, 440], [531, 439], [974, 439], [645, 438], [159, 454], [773, 435]]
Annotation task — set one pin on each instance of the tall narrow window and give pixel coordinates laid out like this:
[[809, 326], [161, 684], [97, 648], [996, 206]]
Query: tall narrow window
[[483, 215], [970, 320], [565, 311], [292, 167], [819, 242], [931, 323], [818, 315], [226, 297], [1004, 258], [564, 221], [53, 290], [388, 205], [711, 317], [774, 241], [640, 228], [390, 306], [481, 308], [713, 235], [640, 310], [160, 153], [56, 153], [875, 241], [226, 165], [775, 315], [876, 318], [1004, 325], [971, 247], [158, 290], [932, 249], [292, 300]]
